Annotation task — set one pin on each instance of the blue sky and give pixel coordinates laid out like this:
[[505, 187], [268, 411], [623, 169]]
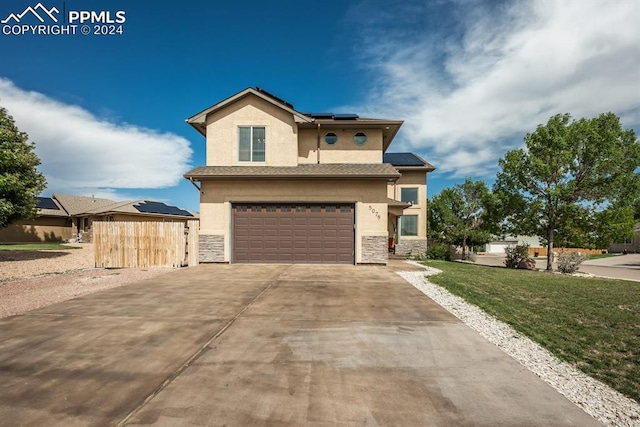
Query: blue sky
[[470, 79]]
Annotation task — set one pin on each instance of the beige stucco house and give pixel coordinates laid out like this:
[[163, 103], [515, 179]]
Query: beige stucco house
[[281, 186], [631, 245], [65, 217]]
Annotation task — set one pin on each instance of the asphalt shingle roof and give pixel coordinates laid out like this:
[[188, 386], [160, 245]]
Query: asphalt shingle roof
[[80, 204], [321, 171], [394, 202]]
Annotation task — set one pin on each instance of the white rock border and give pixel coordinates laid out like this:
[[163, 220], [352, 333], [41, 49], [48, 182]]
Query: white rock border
[[596, 398]]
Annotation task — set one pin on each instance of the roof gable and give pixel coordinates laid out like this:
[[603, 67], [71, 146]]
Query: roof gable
[[198, 121]]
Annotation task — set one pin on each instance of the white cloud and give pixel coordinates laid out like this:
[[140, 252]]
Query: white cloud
[[82, 154], [469, 90]]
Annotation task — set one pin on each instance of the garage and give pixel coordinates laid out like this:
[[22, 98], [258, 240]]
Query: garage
[[293, 233], [498, 246]]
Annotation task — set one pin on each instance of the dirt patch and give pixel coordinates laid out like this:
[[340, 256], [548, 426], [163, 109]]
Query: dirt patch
[[22, 264], [35, 279]]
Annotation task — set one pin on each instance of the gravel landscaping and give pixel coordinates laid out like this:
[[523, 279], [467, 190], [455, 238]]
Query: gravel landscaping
[[597, 399], [34, 279]]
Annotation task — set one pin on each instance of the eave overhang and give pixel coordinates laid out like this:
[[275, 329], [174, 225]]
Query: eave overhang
[[378, 171]]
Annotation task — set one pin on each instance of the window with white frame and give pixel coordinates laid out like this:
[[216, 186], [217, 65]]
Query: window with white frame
[[251, 144], [409, 195], [409, 225]]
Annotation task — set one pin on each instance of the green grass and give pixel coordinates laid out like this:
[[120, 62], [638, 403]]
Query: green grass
[[594, 324], [36, 247]]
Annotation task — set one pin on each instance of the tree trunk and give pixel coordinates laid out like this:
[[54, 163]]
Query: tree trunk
[[550, 249], [464, 248]]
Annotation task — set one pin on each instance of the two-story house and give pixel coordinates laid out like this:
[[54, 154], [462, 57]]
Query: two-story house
[[281, 186]]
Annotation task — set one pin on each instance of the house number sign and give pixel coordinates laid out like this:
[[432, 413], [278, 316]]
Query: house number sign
[[374, 212]]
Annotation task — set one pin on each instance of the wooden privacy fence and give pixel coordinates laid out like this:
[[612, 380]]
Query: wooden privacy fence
[[542, 252], [138, 244]]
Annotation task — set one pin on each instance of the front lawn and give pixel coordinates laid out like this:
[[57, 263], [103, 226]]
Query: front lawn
[[36, 247], [591, 323]]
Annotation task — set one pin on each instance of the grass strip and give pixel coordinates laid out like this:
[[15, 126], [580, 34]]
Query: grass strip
[[36, 247]]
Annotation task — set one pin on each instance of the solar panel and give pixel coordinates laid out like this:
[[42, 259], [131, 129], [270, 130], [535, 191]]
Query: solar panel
[[402, 159], [46, 203], [280, 100], [321, 115], [347, 116], [160, 208]]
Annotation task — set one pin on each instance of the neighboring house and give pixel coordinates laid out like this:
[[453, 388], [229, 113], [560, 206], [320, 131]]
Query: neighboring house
[[629, 245], [53, 224], [500, 243], [65, 217], [281, 186]]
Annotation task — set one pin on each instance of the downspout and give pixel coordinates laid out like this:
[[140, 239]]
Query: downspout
[[318, 144], [193, 183]]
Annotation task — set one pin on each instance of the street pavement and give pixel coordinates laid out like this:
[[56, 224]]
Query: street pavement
[[625, 267]]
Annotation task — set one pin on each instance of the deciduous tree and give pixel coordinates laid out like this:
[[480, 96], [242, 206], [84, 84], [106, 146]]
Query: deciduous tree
[[458, 215], [20, 180], [570, 174]]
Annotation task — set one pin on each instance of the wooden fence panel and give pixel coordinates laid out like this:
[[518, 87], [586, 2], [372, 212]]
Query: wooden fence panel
[[133, 244], [542, 252], [583, 251]]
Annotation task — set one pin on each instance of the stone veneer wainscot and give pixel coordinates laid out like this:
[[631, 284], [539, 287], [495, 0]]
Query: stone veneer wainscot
[[375, 250], [211, 248]]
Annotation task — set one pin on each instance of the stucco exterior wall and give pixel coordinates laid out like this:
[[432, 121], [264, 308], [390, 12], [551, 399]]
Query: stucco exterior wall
[[280, 133], [412, 179], [43, 229], [343, 151], [369, 197]]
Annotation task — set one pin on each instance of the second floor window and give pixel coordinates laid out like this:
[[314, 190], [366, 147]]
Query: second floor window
[[409, 195], [251, 146]]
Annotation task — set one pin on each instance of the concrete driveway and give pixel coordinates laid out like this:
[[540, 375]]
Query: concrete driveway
[[264, 345]]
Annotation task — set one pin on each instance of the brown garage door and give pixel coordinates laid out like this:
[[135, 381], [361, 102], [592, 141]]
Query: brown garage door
[[293, 233]]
